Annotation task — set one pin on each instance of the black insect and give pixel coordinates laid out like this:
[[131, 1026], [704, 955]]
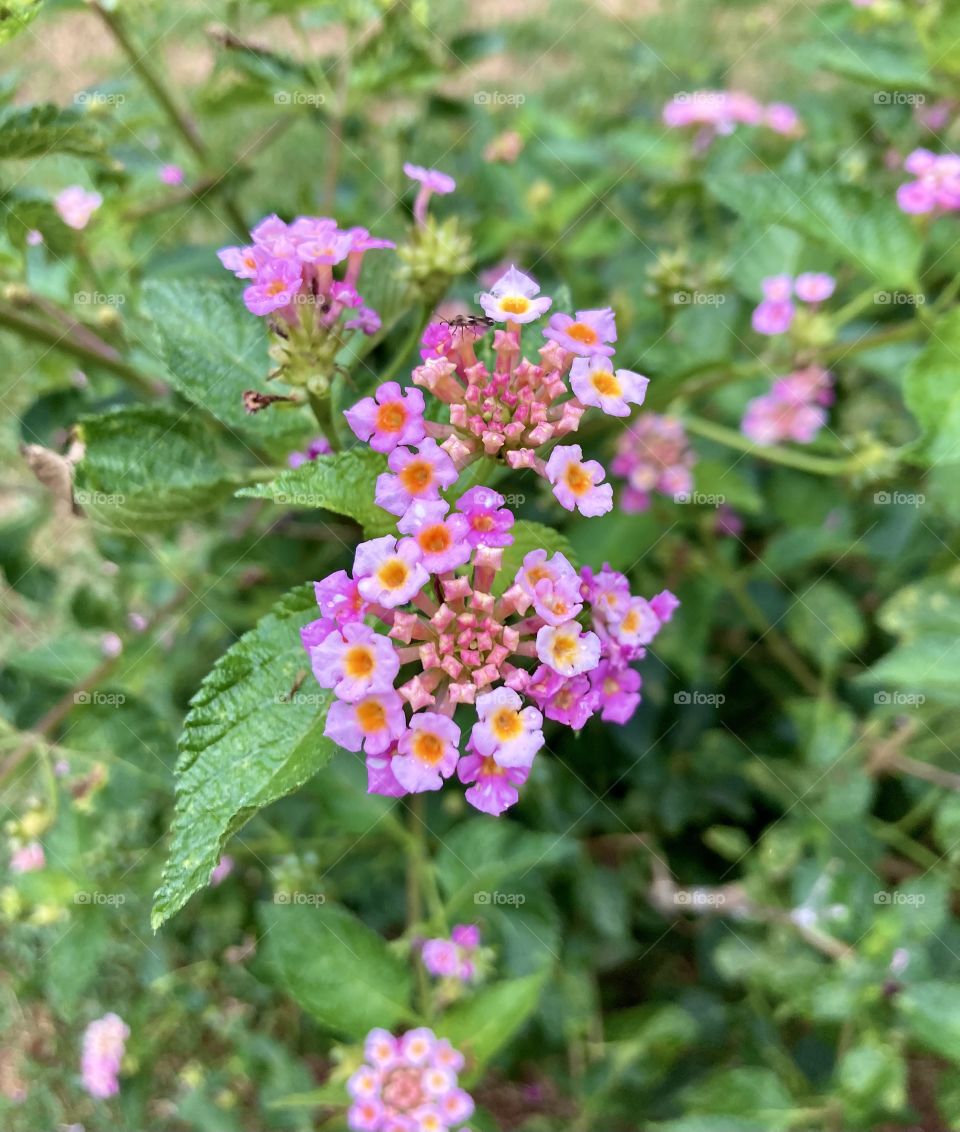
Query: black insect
[[468, 322]]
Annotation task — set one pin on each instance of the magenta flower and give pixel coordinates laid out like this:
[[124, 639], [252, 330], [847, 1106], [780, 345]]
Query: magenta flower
[[431, 181], [488, 521], [506, 731], [277, 283], [243, 262], [720, 112], [937, 185], [408, 1084], [417, 475], [440, 538], [390, 417], [355, 662], [568, 701], [221, 870], [427, 752], [513, 299], [170, 174], [782, 118], [792, 410], [588, 334], [552, 585], [777, 288], [103, 1045], [617, 689], [814, 286], [389, 573], [339, 598], [653, 454], [453, 958], [372, 723], [75, 205], [772, 318], [494, 786], [577, 483], [319, 446], [29, 858], [595, 383]]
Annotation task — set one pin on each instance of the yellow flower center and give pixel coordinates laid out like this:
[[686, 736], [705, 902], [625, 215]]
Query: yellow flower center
[[427, 747], [391, 417], [276, 287], [393, 573], [580, 332], [371, 717], [564, 647], [605, 383], [358, 662], [514, 304], [506, 724], [578, 479], [610, 686], [629, 624]]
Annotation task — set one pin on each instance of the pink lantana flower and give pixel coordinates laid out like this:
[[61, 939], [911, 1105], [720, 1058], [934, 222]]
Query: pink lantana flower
[[29, 858], [494, 786], [221, 870], [814, 286], [488, 520], [389, 573], [577, 484], [513, 299], [277, 283], [431, 181], [427, 752], [170, 174], [355, 662], [587, 334], [505, 730], [440, 538], [653, 455], [794, 409], [416, 475], [371, 723], [771, 318], [103, 1045], [617, 690], [596, 383], [75, 205], [453, 958], [937, 185], [568, 649], [392, 416]]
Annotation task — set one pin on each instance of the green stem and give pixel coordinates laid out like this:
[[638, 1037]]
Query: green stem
[[413, 337], [818, 465], [323, 411], [417, 860], [900, 332]]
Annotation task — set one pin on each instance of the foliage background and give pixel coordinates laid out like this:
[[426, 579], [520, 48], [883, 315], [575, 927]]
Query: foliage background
[[738, 910]]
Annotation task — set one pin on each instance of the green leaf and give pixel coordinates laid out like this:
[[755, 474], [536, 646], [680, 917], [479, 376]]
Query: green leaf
[[892, 69], [529, 536], [215, 350], [246, 742], [857, 224], [334, 967], [931, 390], [144, 467], [825, 622], [35, 131], [15, 15], [931, 1011], [484, 1023], [343, 482]]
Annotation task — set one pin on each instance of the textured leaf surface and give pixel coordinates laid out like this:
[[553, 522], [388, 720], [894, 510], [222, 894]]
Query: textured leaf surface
[[931, 390], [215, 350], [487, 1020], [146, 466], [245, 743], [343, 482], [334, 966], [35, 131]]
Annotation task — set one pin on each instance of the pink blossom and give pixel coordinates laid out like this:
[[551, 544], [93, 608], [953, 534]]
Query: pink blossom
[[355, 661], [653, 454], [814, 286], [392, 416], [494, 786], [782, 118], [431, 181], [380, 776], [339, 598], [221, 870], [170, 174], [488, 521], [719, 112], [243, 262], [387, 572], [371, 723], [319, 446], [638, 626], [513, 299], [595, 382], [937, 185], [792, 410], [103, 1045], [777, 288], [440, 538], [772, 318], [408, 1084], [617, 688], [586, 335], [453, 958], [75, 205], [577, 483], [505, 730], [417, 475], [568, 649], [567, 701], [34, 237], [277, 282], [29, 858], [664, 605], [428, 752]]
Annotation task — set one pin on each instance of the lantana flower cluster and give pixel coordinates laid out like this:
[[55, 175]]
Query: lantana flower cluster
[[794, 409], [511, 408], [653, 455], [289, 269], [453, 958], [408, 1084], [103, 1044], [936, 184], [554, 638], [775, 314], [721, 111]]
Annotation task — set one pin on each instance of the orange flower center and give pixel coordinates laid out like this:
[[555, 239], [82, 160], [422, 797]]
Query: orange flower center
[[428, 747], [358, 662], [610, 686], [580, 332], [391, 417], [482, 523], [371, 717], [393, 573], [578, 478], [434, 540], [514, 304], [506, 724], [629, 624], [416, 477], [276, 287], [490, 766], [605, 383]]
